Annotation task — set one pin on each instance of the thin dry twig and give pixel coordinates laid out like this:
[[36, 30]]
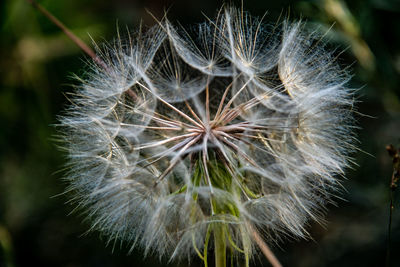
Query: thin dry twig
[[395, 155], [265, 249], [70, 34]]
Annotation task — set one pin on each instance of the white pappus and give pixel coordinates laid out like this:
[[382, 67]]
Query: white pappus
[[207, 136]]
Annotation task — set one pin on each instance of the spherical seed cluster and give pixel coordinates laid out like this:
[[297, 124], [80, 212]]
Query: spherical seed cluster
[[226, 129]]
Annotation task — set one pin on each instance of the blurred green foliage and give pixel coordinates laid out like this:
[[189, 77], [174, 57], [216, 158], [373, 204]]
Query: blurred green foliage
[[37, 60]]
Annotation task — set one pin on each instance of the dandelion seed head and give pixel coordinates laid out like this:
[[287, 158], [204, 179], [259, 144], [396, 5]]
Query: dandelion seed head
[[232, 125]]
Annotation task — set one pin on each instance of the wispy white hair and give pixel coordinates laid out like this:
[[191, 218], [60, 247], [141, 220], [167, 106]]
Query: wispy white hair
[[232, 124]]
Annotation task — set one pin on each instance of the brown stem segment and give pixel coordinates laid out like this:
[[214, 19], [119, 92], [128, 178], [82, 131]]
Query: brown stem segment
[[265, 249], [70, 34], [395, 155]]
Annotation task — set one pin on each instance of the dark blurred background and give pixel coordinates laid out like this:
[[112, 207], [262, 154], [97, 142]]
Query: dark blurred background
[[36, 64]]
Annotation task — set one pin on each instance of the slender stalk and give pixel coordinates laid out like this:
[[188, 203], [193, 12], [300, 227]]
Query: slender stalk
[[220, 246], [389, 241], [70, 34], [265, 249], [395, 155]]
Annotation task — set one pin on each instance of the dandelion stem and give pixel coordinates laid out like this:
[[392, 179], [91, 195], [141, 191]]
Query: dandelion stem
[[207, 239], [220, 246]]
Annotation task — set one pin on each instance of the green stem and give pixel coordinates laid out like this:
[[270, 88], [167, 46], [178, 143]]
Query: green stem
[[220, 246]]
